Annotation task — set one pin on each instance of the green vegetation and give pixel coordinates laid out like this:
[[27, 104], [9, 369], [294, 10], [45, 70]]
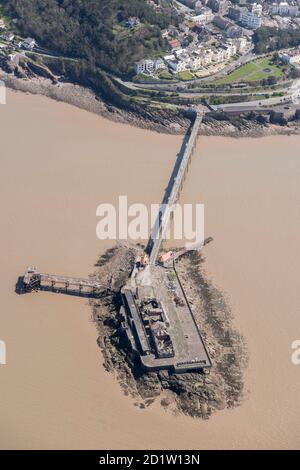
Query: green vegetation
[[185, 76], [165, 75], [141, 77], [261, 69], [94, 30], [273, 39]]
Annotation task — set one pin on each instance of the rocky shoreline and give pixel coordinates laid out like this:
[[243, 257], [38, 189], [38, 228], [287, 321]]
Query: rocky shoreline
[[194, 394], [158, 120]]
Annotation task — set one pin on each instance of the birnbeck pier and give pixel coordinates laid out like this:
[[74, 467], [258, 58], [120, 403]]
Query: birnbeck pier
[[156, 317]]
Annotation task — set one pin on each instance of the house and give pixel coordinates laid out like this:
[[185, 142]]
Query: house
[[144, 66], [18, 44], [132, 22], [8, 37], [183, 28], [174, 44], [169, 57], [2, 24], [292, 57], [29, 44]]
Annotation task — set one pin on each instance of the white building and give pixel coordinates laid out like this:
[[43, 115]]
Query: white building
[[284, 9], [159, 65], [177, 65], [241, 44], [256, 8], [292, 57], [195, 62], [204, 17], [207, 57], [219, 55], [250, 20], [230, 49], [144, 66]]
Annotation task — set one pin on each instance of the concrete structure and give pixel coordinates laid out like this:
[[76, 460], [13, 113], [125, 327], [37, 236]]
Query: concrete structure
[[159, 324], [250, 20], [34, 280], [284, 9]]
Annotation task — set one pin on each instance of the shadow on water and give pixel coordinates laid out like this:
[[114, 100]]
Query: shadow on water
[[21, 290]]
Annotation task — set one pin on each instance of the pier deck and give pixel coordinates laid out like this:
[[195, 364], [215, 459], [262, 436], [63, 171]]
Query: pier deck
[[34, 280], [174, 188]]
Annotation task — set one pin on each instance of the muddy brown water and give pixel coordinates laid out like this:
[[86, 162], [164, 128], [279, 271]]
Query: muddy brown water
[[57, 164]]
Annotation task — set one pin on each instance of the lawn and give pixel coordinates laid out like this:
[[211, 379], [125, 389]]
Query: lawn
[[165, 75], [253, 71], [185, 76]]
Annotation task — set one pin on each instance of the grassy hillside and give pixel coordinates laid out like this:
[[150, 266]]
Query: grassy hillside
[[94, 30]]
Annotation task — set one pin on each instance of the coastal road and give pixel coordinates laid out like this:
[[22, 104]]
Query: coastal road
[[292, 97]]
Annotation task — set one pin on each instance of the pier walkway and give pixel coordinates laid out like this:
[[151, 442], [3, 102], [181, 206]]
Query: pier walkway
[[173, 190], [34, 280]]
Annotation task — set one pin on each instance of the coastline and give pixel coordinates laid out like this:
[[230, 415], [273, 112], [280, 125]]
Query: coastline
[[156, 120]]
